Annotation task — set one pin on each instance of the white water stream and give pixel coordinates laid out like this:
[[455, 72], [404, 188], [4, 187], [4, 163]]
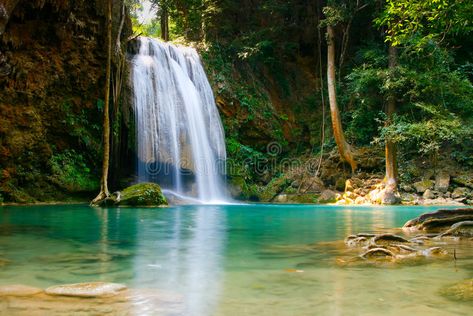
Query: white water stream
[[180, 137]]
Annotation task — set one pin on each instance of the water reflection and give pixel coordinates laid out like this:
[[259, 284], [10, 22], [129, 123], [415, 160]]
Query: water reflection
[[224, 260], [183, 253]]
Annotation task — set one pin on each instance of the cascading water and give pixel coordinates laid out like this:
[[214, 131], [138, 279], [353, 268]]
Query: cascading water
[[180, 136]]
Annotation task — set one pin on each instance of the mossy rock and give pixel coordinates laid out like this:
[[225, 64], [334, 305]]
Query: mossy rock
[[142, 194]]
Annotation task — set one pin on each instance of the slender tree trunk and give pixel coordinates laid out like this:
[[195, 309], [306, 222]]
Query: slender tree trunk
[[391, 156], [343, 147], [164, 19], [104, 193]]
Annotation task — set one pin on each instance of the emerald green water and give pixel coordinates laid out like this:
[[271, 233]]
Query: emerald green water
[[228, 260]]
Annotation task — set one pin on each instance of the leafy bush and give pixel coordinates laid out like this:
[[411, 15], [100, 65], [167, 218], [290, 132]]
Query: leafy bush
[[71, 172]]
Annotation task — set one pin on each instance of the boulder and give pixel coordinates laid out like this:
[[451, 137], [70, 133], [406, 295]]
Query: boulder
[[428, 194], [328, 196], [439, 220], [464, 180], [442, 181], [409, 198], [310, 184], [389, 197], [406, 188], [142, 194], [461, 192], [93, 289], [281, 198], [360, 200], [423, 186]]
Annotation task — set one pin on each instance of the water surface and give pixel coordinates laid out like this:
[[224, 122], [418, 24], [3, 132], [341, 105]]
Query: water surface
[[228, 260]]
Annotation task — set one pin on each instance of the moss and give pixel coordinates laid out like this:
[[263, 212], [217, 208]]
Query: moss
[[142, 194], [303, 198]]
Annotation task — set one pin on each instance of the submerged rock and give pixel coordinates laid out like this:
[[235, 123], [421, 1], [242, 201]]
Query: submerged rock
[[389, 239], [377, 253], [125, 302], [93, 289], [18, 290], [462, 291]]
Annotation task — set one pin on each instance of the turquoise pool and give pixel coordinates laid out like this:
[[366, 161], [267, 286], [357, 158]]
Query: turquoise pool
[[228, 260]]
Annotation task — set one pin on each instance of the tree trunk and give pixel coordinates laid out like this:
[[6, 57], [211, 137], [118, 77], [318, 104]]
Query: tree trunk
[[391, 157], [343, 147], [104, 193], [164, 19]]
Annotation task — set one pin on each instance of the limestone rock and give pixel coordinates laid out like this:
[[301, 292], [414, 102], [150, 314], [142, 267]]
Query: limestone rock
[[423, 186], [93, 289], [406, 188], [377, 253], [461, 229], [409, 198], [389, 239], [428, 194], [18, 290], [461, 192], [439, 220], [389, 197], [442, 182], [361, 200], [328, 196], [281, 198]]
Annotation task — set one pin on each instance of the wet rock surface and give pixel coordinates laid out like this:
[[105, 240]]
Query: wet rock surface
[[431, 236], [18, 290], [92, 289], [22, 300], [439, 220]]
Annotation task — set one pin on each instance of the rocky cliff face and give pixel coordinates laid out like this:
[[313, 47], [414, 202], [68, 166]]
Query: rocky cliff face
[[52, 68]]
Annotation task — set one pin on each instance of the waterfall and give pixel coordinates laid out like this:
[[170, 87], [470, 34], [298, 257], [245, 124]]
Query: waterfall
[[180, 138]]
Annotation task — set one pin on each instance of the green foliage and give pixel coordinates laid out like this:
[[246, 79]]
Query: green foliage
[[435, 102], [70, 171], [83, 126], [424, 20], [428, 135]]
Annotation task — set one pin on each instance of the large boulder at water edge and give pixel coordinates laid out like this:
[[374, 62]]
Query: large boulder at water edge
[[142, 194]]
